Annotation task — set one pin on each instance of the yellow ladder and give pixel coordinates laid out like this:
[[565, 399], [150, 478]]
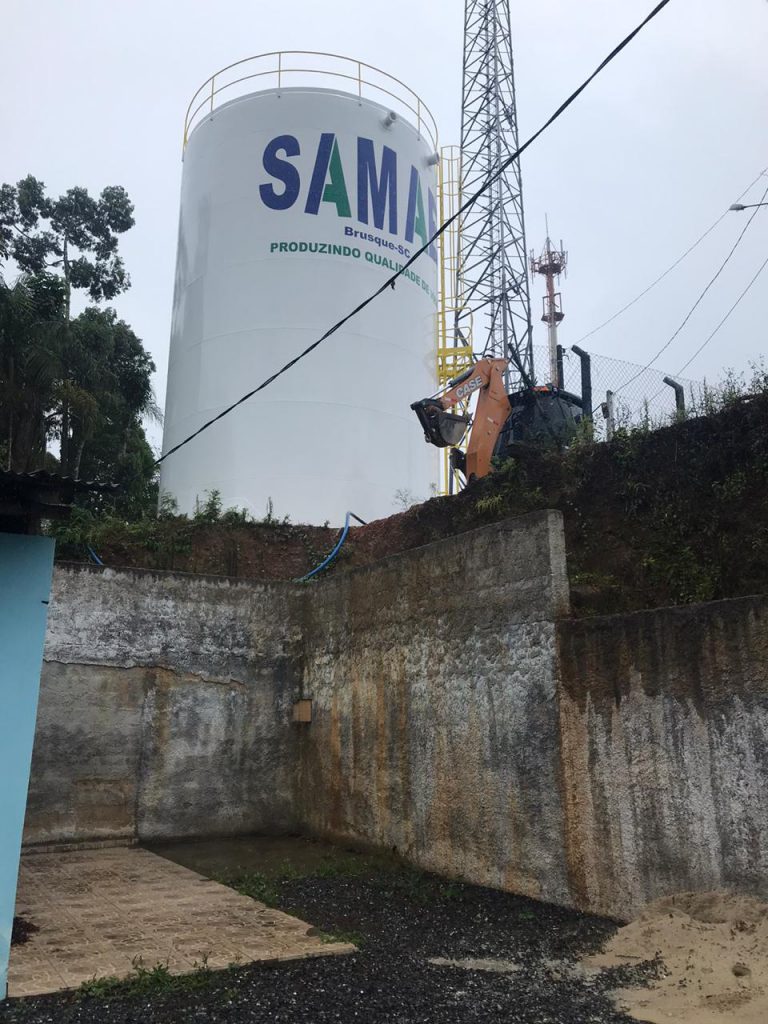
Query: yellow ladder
[[454, 355]]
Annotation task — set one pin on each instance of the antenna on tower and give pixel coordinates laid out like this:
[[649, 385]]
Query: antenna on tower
[[551, 264], [492, 270]]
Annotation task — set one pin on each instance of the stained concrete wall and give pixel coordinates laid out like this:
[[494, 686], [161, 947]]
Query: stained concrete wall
[[458, 715], [433, 681], [163, 708], [664, 733]]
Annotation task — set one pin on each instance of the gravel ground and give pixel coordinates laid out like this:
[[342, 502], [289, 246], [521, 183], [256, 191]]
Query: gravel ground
[[402, 921]]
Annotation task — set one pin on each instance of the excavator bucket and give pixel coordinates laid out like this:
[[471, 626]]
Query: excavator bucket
[[441, 428]]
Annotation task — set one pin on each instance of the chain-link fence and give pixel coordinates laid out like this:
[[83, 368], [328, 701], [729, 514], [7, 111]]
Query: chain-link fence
[[641, 396]]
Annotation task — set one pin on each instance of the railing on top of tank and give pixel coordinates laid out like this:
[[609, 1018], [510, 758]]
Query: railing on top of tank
[[203, 103]]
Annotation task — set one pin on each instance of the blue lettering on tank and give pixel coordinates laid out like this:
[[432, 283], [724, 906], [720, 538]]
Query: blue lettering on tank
[[283, 171], [382, 187]]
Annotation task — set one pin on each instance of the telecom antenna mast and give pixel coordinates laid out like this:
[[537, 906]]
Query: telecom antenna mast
[[492, 272], [551, 264]]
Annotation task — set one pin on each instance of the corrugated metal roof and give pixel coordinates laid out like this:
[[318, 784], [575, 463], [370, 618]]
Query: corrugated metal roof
[[54, 480]]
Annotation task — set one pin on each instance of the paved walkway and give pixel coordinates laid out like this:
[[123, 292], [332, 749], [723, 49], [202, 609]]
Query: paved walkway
[[100, 912]]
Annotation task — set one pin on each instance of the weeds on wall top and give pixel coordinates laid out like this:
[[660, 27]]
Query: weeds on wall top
[[169, 532], [660, 515]]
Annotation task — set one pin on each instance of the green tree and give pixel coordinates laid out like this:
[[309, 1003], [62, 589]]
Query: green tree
[[28, 368], [84, 381], [76, 238], [98, 366], [112, 366], [76, 234]]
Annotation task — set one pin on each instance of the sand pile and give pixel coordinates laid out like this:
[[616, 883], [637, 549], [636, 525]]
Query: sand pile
[[715, 950]]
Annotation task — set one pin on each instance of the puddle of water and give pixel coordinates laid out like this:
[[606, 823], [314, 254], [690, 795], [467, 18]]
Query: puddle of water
[[272, 856]]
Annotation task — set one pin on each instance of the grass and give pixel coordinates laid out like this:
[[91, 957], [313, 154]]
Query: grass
[[266, 887], [256, 885], [416, 886], [346, 866], [354, 938], [381, 872], [146, 981]]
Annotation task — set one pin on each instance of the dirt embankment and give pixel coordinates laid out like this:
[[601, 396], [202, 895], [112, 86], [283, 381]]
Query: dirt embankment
[[671, 517]]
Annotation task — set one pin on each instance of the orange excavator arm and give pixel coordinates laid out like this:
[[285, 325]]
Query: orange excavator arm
[[445, 430]]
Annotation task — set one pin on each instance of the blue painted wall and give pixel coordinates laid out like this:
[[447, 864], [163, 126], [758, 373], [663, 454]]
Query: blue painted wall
[[26, 569]]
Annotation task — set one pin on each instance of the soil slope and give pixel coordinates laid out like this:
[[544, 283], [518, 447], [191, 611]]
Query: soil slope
[[673, 516]]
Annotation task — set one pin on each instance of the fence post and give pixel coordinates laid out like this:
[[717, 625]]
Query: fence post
[[586, 381], [609, 411], [560, 382], [679, 396]]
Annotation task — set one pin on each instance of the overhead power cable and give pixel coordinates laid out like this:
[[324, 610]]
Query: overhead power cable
[[696, 304], [723, 321], [390, 281], [651, 286], [716, 330], [669, 269]]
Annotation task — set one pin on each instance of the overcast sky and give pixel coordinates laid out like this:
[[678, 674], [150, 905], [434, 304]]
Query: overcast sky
[[94, 93]]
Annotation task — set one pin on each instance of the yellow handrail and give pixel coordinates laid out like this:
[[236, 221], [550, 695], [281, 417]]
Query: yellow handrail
[[212, 87]]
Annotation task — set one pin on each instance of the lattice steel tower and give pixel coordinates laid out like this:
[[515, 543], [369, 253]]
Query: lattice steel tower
[[492, 266]]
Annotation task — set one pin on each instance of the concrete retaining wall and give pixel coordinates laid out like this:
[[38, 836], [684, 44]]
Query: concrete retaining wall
[[163, 708], [434, 728], [458, 715], [664, 731]]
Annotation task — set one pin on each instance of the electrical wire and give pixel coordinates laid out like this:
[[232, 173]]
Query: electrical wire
[[390, 282], [711, 336], [696, 304], [723, 321], [651, 286], [669, 270]]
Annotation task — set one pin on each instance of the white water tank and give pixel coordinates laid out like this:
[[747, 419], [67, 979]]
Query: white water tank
[[297, 202]]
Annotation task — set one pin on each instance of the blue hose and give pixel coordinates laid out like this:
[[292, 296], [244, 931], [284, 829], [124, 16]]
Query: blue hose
[[93, 555], [327, 561]]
